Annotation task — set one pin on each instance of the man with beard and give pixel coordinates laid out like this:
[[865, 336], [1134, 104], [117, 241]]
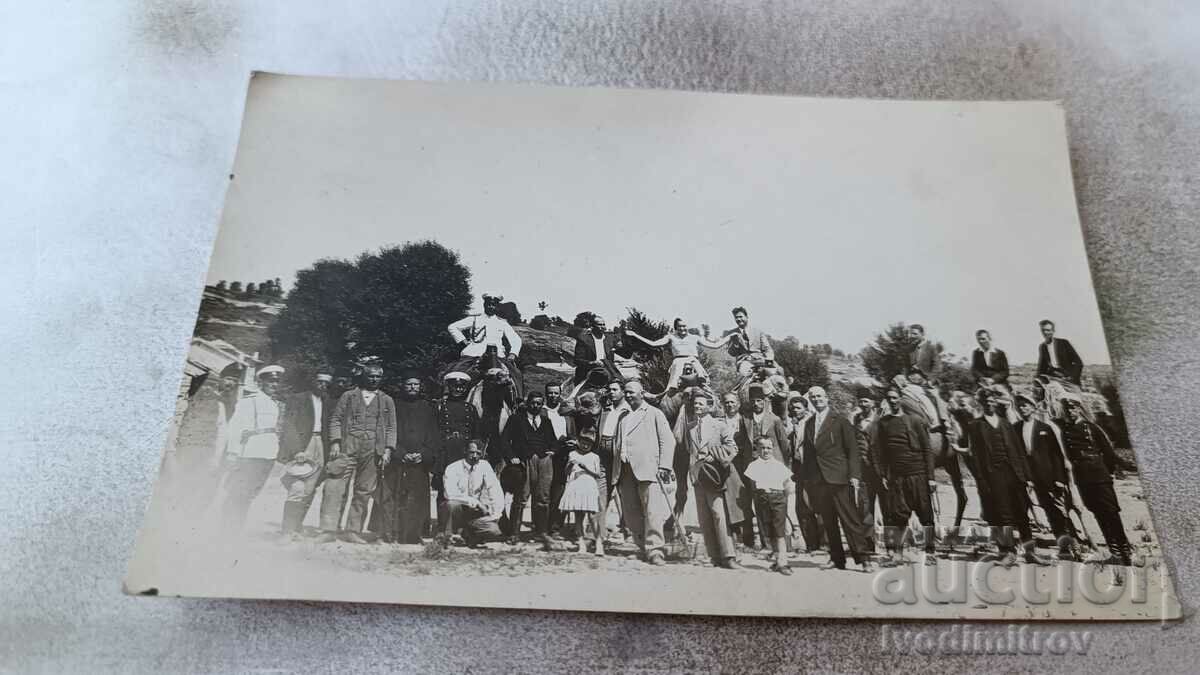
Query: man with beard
[[1049, 469], [900, 446], [458, 422], [476, 334], [758, 422], [253, 447], [1004, 467], [806, 517], [1093, 461], [404, 488], [304, 435], [362, 429], [831, 472], [528, 448]]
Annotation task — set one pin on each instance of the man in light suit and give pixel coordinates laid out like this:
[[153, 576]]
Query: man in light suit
[[1057, 357], [645, 450], [709, 446], [746, 343], [830, 469]]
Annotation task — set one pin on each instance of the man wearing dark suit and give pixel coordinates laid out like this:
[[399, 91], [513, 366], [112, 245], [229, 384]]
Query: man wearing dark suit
[[1040, 441], [759, 421], [528, 450], [1004, 467], [303, 438], [1093, 461], [830, 470], [1057, 357], [596, 349], [988, 364], [404, 487], [806, 517]]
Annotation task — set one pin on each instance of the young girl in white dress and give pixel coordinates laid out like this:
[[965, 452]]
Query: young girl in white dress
[[684, 348], [581, 495]]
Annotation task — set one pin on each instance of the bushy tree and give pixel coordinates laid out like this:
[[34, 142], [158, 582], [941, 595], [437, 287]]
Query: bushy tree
[[891, 353], [509, 312], [251, 289], [805, 364], [221, 285], [392, 305], [235, 287], [654, 365]]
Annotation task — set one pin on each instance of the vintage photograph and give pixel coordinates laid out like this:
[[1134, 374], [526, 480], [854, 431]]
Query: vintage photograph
[[650, 351]]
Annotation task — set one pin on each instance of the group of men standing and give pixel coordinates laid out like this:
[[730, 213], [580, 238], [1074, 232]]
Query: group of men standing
[[357, 444]]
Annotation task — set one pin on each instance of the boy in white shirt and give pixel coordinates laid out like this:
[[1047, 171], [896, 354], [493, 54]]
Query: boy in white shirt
[[772, 481]]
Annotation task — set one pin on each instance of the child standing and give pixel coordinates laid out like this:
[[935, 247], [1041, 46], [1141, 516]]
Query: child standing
[[771, 479], [582, 492]]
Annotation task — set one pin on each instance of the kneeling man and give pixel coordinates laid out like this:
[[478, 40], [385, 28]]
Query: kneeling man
[[474, 500]]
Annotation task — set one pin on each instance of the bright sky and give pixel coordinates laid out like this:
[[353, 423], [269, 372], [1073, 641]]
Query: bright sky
[[827, 219]]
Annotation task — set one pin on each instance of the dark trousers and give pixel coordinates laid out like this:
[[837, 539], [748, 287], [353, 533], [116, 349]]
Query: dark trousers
[[908, 495], [1101, 500], [834, 506], [404, 502], [245, 480], [1053, 500], [361, 483], [476, 529], [869, 492], [1008, 507], [545, 491], [746, 504], [514, 480], [806, 513]]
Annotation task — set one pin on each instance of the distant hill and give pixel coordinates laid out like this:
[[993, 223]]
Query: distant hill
[[239, 321]]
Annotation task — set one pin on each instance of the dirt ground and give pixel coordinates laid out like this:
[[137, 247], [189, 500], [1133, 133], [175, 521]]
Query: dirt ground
[[189, 559]]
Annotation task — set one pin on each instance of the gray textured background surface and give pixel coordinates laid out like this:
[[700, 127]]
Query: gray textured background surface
[[118, 123]]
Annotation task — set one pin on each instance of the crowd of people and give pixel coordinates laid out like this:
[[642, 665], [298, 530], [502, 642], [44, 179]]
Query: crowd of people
[[767, 464]]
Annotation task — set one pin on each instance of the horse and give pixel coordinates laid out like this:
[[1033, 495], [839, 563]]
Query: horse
[[494, 398]]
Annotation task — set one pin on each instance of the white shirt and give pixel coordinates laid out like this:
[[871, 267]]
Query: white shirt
[[368, 396], [1052, 353], [257, 414], [992, 420], [610, 419], [769, 474], [486, 331], [534, 420], [463, 481], [1027, 432], [988, 356], [599, 346], [557, 421], [819, 419], [316, 414]]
